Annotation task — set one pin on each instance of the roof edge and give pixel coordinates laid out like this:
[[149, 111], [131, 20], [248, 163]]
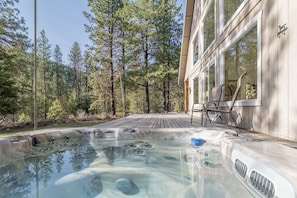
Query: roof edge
[[189, 8]]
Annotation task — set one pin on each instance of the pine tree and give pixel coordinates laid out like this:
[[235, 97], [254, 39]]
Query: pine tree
[[58, 65], [13, 32], [102, 32], [85, 87], [76, 63], [168, 37], [130, 49], [13, 43], [43, 70], [8, 89]]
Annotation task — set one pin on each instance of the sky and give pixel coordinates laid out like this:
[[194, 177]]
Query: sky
[[62, 20]]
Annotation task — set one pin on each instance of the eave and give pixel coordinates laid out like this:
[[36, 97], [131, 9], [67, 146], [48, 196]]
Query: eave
[[188, 16]]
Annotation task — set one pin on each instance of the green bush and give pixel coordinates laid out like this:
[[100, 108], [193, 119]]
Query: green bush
[[56, 111], [24, 118]]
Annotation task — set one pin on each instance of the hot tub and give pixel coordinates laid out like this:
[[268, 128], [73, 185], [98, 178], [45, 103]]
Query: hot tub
[[114, 162]]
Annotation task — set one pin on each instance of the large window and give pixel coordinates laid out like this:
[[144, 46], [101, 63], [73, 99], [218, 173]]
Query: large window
[[203, 83], [209, 26], [241, 57]]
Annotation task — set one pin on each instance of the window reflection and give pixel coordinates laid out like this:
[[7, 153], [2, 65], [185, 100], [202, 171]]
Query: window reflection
[[230, 6], [196, 49], [240, 57], [35, 174], [209, 26], [205, 78], [195, 91], [196, 15], [203, 84], [212, 78]]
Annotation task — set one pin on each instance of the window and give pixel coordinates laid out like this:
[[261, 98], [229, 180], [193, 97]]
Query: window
[[196, 15], [203, 83], [212, 76], [196, 49], [242, 56], [209, 26], [204, 86], [195, 91], [209, 82], [230, 7]]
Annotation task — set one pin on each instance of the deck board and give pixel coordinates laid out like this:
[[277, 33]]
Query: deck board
[[166, 120]]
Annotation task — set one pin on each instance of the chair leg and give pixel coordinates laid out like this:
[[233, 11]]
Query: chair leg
[[208, 117], [202, 118], [233, 120]]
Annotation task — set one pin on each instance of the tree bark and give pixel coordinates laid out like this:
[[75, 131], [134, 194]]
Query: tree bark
[[147, 90], [112, 97]]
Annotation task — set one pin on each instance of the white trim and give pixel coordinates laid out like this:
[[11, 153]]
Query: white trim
[[255, 21], [259, 56], [239, 103]]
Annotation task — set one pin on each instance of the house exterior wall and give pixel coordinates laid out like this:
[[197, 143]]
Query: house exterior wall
[[274, 111]]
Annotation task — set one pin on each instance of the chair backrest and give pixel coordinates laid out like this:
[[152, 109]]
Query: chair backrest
[[197, 107], [215, 95], [236, 91]]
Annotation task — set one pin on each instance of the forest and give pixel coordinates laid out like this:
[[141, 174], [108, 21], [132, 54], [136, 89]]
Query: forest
[[131, 65]]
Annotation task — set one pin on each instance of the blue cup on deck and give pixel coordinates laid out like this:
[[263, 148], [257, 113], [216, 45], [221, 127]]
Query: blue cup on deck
[[197, 141]]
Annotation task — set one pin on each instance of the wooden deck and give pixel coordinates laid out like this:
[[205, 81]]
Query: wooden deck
[[150, 122], [166, 120]]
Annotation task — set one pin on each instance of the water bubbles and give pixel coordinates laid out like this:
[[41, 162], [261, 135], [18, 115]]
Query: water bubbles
[[138, 151]]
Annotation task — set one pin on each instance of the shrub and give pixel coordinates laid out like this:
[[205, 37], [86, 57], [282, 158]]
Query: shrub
[[24, 118], [56, 111]]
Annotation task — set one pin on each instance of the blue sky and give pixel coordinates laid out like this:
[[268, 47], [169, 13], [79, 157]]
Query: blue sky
[[62, 20]]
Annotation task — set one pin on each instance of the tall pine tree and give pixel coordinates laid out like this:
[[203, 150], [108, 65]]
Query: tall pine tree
[[58, 65], [103, 31], [43, 73], [76, 63]]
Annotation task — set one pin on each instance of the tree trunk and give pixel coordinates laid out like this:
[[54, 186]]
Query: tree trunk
[[44, 90], [112, 100], [168, 95], [164, 97], [147, 91], [123, 86], [147, 97]]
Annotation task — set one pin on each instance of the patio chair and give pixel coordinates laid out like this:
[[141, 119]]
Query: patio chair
[[197, 108], [214, 99], [221, 109]]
